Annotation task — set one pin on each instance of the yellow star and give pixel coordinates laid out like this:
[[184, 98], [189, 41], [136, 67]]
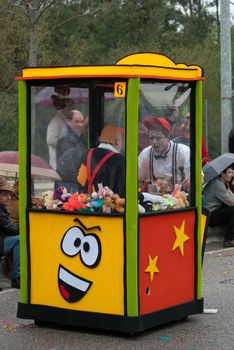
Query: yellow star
[[181, 237], [152, 268]]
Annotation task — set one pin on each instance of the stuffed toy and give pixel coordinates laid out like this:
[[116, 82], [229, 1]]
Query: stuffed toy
[[82, 175], [169, 202], [180, 196], [96, 203], [160, 186], [119, 203], [61, 194], [143, 187], [72, 204], [149, 202], [37, 202], [49, 202], [84, 200], [48, 199], [104, 192], [77, 202], [164, 185], [115, 202]]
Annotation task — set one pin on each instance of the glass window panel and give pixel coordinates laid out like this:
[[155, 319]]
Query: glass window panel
[[114, 114], [164, 143], [66, 121], [51, 108]]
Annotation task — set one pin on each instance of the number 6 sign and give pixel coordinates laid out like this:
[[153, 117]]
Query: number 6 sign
[[120, 89]]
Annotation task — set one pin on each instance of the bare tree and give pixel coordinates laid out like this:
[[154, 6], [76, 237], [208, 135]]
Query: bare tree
[[31, 10]]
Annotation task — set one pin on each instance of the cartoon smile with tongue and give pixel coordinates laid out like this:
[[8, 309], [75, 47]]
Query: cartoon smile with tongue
[[76, 242]]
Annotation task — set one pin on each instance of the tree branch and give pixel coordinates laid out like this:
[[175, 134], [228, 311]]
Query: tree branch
[[45, 8], [70, 19]]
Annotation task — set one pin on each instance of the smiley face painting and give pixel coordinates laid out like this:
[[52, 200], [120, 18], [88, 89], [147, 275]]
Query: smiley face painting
[[74, 242], [77, 262]]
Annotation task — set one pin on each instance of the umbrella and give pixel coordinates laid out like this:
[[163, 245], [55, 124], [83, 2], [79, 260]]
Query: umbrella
[[217, 165], [40, 168], [78, 95]]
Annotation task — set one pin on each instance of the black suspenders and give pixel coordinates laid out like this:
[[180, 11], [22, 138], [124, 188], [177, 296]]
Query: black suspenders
[[173, 165]]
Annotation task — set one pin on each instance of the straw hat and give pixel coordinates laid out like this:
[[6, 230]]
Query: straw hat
[[4, 185]]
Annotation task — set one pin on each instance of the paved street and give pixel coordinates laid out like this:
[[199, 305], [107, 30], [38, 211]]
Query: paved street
[[208, 331]]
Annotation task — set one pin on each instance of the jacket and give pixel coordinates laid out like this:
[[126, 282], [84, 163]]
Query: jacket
[[70, 149], [7, 227], [111, 174]]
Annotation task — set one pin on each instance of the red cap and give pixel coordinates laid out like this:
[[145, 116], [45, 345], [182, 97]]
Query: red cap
[[151, 121]]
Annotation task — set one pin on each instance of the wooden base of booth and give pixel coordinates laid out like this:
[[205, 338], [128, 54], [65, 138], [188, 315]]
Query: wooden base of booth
[[63, 317]]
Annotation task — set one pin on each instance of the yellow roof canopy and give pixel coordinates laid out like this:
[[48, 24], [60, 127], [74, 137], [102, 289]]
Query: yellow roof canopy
[[141, 65]]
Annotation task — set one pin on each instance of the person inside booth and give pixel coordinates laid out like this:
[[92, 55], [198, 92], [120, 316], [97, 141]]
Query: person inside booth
[[71, 146], [104, 165], [172, 115], [56, 125], [164, 163]]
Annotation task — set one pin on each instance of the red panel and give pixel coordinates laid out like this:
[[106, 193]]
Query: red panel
[[174, 283]]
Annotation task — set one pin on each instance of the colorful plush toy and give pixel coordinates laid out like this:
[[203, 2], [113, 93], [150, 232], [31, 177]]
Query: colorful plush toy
[[77, 202], [104, 192], [49, 202], [115, 202], [169, 202], [180, 196], [72, 203], [61, 194], [96, 203], [164, 185], [37, 202], [149, 202], [82, 175], [84, 200], [48, 199], [119, 203]]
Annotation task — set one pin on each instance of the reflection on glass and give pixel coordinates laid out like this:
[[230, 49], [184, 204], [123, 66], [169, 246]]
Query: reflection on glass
[[164, 140], [63, 130]]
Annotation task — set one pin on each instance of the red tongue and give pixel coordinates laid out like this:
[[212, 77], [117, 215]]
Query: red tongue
[[64, 292]]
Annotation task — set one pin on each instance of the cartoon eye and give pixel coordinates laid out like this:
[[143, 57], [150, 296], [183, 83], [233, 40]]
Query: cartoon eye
[[91, 250], [72, 241]]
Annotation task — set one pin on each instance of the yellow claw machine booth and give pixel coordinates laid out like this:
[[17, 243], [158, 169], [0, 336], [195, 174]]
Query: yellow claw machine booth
[[110, 193]]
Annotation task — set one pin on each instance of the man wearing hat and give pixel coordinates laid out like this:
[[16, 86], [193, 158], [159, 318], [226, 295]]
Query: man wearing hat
[[9, 232], [105, 165], [164, 162]]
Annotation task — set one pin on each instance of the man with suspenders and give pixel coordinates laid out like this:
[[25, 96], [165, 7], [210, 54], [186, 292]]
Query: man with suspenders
[[105, 165], [164, 162]]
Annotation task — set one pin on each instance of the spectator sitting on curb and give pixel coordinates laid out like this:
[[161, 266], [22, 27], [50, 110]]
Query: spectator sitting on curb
[[9, 233], [219, 200]]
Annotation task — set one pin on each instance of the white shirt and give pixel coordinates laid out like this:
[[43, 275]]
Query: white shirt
[[108, 146], [53, 131], [163, 167]]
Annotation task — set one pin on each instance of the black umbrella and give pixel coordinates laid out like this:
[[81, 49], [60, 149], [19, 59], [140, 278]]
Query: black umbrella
[[217, 165]]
